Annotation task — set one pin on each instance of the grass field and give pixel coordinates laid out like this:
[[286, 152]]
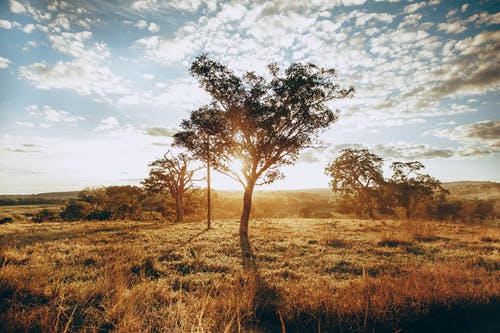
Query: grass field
[[309, 275]]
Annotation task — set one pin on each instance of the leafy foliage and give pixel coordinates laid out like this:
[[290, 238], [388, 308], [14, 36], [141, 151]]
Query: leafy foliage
[[357, 174], [263, 123], [171, 174], [412, 186]]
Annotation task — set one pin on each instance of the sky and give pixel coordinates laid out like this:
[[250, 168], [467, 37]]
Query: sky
[[92, 91]]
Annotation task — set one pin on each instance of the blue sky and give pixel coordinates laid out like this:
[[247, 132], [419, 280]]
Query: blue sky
[[91, 91]]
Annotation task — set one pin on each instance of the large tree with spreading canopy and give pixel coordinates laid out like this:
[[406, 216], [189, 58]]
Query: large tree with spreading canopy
[[264, 122], [357, 173]]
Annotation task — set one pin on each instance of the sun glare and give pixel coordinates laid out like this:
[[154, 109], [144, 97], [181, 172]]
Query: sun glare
[[237, 165]]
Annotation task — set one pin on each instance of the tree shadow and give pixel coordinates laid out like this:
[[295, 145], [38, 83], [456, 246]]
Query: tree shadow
[[266, 297]]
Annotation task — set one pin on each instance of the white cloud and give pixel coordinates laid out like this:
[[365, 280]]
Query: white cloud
[[166, 50], [452, 28], [153, 27], [29, 28], [73, 44], [52, 115], [141, 24], [16, 7], [4, 62], [483, 133], [5, 24], [414, 7], [464, 7], [83, 76], [148, 76], [144, 5], [452, 12], [181, 94], [381, 17], [109, 123]]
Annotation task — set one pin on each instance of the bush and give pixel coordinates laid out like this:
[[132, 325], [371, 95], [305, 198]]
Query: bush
[[44, 215], [100, 215], [76, 210], [6, 220]]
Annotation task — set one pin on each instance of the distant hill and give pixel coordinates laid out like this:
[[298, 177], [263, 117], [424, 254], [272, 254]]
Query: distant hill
[[37, 199], [473, 190]]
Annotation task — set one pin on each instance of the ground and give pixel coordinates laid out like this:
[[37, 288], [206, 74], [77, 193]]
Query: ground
[[335, 275]]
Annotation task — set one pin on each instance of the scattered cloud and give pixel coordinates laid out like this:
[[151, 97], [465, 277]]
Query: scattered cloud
[[483, 132], [109, 123], [412, 152], [452, 28], [52, 115], [83, 76], [414, 7], [4, 63], [29, 28], [153, 27], [16, 7], [160, 131], [5, 24], [181, 94], [308, 156]]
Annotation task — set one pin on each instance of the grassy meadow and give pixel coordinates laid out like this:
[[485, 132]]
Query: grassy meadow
[[296, 275]]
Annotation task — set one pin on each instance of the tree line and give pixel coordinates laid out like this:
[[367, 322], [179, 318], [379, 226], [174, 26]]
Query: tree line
[[356, 174]]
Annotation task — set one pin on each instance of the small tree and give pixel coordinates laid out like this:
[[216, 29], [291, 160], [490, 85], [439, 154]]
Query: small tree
[[206, 135], [357, 173], [263, 123], [171, 173], [412, 187]]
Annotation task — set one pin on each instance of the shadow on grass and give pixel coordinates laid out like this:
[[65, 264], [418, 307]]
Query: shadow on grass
[[265, 298]]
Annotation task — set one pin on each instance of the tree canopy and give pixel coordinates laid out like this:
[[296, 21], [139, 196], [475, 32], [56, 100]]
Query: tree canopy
[[174, 174], [357, 172], [412, 186], [263, 122]]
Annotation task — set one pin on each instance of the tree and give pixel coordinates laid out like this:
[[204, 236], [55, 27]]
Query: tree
[[411, 186], [357, 172], [171, 173], [124, 202], [263, 123], [206, 134]]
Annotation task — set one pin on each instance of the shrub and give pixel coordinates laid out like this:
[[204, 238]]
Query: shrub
[[6, 220], [100, 215], [76, 210], [44, 215]]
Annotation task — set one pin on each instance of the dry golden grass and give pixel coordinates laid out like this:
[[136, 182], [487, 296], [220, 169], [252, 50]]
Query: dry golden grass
[[312, 275]]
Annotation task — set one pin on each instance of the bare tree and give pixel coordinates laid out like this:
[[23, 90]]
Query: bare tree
[[263, 123]]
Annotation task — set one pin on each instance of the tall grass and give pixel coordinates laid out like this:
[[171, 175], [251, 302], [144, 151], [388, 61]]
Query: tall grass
[[311, 275]]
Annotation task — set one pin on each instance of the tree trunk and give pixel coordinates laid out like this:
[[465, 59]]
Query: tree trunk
[[408, 212], [247, 207], [209, 208], [180, 208]]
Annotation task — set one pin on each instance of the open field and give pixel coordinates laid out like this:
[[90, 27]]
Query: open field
[[307, 275]]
